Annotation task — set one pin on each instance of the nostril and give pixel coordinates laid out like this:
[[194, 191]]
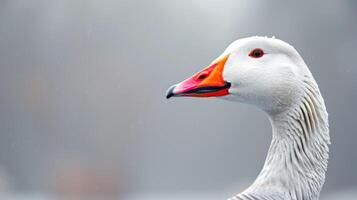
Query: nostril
[[202, 76]]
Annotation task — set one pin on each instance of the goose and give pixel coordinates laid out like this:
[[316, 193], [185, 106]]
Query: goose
[[270, 74]]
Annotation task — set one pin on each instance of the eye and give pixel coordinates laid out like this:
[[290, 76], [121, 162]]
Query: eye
[[256, 53]]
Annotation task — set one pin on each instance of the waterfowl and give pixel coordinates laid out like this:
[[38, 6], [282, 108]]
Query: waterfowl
[[270, 74]]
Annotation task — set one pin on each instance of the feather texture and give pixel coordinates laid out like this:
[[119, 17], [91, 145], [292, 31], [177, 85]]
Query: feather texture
[[297, 159]]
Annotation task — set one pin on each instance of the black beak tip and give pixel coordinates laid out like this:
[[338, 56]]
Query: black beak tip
[[168, 96], [170, 92]]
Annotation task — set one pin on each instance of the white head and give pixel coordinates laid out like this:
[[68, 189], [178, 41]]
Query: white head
[[266, 72], [270, 74]]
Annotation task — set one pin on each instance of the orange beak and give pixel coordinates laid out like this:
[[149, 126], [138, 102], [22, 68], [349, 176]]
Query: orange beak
[[206, 83]]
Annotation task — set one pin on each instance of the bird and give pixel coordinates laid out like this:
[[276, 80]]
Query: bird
[[270, 74]]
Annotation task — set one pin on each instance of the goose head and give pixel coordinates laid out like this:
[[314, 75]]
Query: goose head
[[265, 72], [271, 75]]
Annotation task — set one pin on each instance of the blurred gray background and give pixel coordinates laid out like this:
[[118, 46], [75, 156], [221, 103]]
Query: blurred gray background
[[82, 95]]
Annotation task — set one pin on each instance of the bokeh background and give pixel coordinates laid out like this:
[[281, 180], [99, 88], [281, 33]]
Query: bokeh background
[[82, 96]]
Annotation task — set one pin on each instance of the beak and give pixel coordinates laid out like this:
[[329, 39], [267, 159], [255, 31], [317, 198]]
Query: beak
[[206, 83]]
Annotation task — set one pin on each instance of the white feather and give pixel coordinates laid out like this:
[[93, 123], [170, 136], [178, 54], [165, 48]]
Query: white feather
[[281, 84]]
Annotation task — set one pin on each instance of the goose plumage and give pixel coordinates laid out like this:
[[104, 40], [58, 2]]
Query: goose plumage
[[270, 74]]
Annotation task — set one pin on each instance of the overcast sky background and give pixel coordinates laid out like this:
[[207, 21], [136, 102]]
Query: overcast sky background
[[82, 87]]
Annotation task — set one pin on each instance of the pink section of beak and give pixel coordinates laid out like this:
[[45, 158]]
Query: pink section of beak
[[206, 83], [194, 81]]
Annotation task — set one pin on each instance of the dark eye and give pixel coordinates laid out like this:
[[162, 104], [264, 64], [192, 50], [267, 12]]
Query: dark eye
[[256, 53]]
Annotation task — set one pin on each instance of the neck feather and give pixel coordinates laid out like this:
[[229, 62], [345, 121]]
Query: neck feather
[[297, 159]]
